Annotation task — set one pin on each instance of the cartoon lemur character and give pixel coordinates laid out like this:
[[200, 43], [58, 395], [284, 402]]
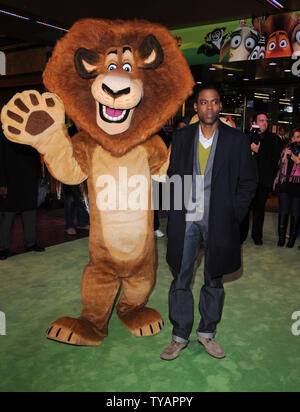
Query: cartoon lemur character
[[215, 41], [120, 82]]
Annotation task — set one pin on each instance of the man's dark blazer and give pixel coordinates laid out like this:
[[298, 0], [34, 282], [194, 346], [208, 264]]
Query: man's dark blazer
[[267, 159], [234, 185]]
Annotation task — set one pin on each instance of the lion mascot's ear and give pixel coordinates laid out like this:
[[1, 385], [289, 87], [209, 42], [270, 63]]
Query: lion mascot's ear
[[151, 52], [86, 63]]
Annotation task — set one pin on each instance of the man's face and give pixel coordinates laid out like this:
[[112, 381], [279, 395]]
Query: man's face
[[208, 107], [262, 122]]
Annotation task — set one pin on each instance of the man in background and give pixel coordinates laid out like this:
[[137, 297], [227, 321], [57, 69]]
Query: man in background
[[266, 153], [20, 171]]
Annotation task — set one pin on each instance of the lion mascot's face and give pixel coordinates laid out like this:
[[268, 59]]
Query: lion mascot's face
[[120, 81]]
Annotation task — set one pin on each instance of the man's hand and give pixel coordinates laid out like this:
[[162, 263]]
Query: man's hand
[[255, 147], [3, 192]]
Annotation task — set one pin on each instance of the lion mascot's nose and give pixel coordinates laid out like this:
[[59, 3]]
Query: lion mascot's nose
[[116, 86]]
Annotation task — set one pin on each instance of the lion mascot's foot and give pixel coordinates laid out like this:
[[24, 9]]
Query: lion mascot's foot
[[142, 321], [78, 332]]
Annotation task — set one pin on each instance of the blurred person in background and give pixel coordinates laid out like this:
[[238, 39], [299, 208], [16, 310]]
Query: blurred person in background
[[283, 136], [266, 148], [287, 184], [20, 173]]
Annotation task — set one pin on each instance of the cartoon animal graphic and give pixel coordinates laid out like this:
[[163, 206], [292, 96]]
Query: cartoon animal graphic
[[228, 120], [119, 82], [240, 44], [259, 51], [278, 31], [179, 40], [295, 39], [278, 45], [214, 42]]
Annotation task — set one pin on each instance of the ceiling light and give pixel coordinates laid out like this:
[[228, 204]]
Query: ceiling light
[[14, 15], [276, 4], [261, 94], [50, 25], [27, 18], [272, 64]]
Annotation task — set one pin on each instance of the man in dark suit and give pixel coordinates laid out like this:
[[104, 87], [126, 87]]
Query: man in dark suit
[[266, 154], [20, 171], [210, 218]]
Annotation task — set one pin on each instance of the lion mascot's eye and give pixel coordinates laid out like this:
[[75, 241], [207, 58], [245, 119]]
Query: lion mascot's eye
[[127, 67], [112, 67]]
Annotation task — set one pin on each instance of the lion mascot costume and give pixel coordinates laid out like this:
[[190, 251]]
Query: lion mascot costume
[[119, 82]]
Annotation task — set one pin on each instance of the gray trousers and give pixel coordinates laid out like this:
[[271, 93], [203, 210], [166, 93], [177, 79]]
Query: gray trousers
[[181, 301], [29, 219]]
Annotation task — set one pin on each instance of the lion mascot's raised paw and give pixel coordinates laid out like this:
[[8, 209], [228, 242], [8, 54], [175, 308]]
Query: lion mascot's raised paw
[[29, 116], [119, 82]]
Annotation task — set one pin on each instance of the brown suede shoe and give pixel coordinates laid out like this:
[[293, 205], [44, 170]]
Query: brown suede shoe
[[212, 348], [172, 351]]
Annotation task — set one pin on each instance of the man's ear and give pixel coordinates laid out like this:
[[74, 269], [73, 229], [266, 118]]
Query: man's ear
[[196, 107], [86, 63], [151, 52]]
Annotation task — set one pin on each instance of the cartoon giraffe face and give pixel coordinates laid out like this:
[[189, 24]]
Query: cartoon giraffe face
[[243, 41], [296, 39]]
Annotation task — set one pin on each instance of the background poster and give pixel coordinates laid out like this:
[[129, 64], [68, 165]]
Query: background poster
[[250, 39]]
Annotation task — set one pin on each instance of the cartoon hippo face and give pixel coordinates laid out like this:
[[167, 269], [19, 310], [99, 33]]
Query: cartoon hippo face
[[278, 45]]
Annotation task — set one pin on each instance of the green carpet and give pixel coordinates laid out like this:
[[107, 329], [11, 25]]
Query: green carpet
[[262, 353]]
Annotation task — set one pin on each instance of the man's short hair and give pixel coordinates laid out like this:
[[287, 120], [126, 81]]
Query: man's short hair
[[205, 86], [259, 114]]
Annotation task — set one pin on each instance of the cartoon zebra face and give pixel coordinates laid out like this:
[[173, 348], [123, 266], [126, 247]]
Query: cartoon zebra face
[[259, 51]]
